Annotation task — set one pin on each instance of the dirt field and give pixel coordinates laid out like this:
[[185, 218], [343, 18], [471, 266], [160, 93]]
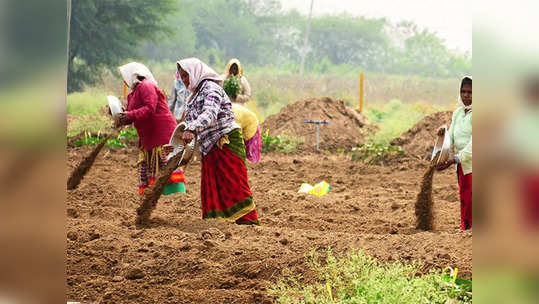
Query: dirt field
[[180, 258]]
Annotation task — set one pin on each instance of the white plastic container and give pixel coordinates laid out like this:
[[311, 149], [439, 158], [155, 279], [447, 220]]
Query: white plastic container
[[114, 104], [443, 145], [176, 140]]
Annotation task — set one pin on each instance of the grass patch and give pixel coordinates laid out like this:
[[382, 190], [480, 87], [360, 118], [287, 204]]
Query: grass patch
[[88, 123], [359, 278], [84, 112], [87, 102], [396, 117]]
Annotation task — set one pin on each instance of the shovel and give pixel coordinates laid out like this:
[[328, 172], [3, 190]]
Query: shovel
[[180, 156], [84, 166]]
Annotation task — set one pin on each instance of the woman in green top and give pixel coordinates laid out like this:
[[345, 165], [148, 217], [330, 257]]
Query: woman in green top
[[460, 134]]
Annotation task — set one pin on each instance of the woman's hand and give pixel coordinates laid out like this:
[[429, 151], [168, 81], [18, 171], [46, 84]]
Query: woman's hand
[[188, 136], [446, 164], [441, 131], [168, 149], [120, 119]]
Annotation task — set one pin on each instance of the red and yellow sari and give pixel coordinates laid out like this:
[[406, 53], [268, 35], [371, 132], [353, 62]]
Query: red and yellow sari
[[225, 191]]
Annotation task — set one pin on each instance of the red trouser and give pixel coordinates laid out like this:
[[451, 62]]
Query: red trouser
[[465, 187], [530, 198]]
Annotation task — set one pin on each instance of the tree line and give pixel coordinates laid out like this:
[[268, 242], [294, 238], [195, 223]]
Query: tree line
[[258, 32]]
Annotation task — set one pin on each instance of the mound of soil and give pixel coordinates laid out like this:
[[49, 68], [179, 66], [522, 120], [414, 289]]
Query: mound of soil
[[347, 126], [419, 140]]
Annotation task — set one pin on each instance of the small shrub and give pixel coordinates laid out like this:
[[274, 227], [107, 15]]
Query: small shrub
[[232, 86], [375, 154], [281, 143], [130, 133]]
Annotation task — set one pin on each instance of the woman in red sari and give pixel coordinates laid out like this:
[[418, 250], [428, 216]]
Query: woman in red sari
[[225, 191]]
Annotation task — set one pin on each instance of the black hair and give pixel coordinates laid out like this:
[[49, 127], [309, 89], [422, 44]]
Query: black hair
[[466, 81], [140, 78]]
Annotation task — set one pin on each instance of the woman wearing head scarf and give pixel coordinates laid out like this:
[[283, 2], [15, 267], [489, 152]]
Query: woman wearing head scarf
[[233, 68], [178, 96], [147, 109], [225, 191], [460, 134]]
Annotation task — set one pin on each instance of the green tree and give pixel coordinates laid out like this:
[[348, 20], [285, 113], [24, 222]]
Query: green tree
[[425, 54], [180, 44], [228, 26], [422, 52], [104, 33], [346, 39]]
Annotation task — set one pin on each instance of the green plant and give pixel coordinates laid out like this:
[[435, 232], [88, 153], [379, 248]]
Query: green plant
[[130, 133], [90, 140], [342, 151], [458, 287], [359, 278], [114, 142], [232, 86], [281, 143], [375, 154]]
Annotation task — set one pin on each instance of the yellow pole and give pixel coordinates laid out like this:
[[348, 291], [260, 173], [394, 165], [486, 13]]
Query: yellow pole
[[361, 92], [124, 95]]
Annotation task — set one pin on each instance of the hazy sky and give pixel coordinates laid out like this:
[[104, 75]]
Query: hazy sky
[[451, 19]]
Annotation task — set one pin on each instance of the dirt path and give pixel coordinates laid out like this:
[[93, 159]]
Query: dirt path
[[183, 259]]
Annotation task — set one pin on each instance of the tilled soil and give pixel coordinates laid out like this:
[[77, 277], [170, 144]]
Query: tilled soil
[[180, 258]]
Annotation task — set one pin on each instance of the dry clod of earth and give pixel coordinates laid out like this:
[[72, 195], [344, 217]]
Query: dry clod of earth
[[134, 273]]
